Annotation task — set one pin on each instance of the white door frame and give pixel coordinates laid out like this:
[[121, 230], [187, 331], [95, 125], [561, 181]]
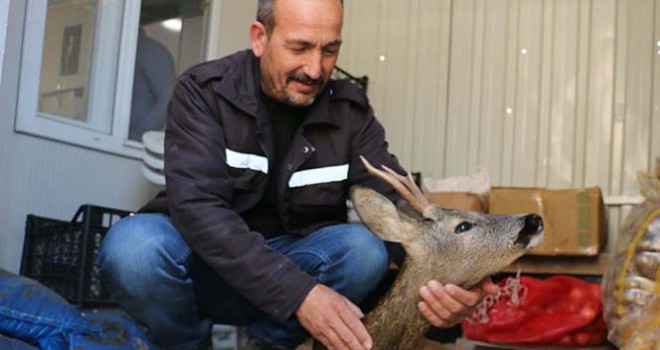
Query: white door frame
[[4, 17]]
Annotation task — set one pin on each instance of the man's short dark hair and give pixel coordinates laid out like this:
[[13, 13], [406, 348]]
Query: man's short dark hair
[[266, 15]]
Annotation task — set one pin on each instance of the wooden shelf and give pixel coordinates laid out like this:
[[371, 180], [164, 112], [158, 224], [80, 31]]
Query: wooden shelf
[[569, 265]]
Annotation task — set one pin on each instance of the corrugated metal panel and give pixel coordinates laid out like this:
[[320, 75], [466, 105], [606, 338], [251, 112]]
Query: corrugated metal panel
[[554, 93], [655, 141], [655, 131]]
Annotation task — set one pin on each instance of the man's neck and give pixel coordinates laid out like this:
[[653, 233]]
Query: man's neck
[[281, 106]]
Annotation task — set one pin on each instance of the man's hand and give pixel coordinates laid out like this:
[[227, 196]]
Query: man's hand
[[333, 320], [446, 306]]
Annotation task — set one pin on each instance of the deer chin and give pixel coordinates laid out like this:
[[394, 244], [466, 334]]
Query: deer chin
[[529, 241], [536, 239]]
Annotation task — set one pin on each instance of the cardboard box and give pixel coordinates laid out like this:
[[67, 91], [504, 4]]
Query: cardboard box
[[574, 219], [456, 200]]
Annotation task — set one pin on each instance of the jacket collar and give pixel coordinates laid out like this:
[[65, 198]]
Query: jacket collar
[[241, 87], [321, 111]]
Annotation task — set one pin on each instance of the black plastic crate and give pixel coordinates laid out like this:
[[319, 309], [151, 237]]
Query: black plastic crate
[[63, 255]]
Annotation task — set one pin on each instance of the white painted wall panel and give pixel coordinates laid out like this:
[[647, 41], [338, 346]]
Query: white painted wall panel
[[655, 122], [489, 134], [431, 62], [638, 80], [600, 98], [462, 56], [229, 27], [554, 93], [528, 84]]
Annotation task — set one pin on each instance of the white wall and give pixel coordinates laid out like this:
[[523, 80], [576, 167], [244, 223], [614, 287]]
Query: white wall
[[48, 178], [552, 93], [231, 32]]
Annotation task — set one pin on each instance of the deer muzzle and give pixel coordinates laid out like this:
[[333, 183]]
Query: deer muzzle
[[532, 228]]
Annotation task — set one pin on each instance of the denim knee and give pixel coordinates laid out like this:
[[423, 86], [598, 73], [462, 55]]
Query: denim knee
[[360, 260], [135, 249], [368, 252]]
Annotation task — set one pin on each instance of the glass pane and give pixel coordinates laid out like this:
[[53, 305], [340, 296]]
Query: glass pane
[[169, 42], [67, 58]]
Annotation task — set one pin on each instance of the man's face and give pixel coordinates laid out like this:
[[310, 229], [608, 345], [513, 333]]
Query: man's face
[[299, 55]]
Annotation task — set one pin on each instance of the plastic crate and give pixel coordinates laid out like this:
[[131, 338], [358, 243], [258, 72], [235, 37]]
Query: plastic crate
[[63, 255]]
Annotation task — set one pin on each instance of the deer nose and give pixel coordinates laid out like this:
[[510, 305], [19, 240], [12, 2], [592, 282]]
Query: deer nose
[[532, 224]]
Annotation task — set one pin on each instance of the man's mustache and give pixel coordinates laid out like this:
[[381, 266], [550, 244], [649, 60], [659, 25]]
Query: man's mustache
[[305, 79]]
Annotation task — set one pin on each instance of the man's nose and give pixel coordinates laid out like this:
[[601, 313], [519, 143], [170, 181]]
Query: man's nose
[[313, 65]]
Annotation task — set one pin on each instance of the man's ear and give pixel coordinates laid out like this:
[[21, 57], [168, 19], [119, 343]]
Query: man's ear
[[258, 38]]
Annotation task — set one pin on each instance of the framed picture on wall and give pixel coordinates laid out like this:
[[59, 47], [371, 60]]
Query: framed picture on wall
[[70, 57]]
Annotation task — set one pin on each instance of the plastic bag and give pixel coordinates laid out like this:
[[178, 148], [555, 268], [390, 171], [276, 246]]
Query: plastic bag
[[32, 314], [477, 183], [631, 284], [558, 310]]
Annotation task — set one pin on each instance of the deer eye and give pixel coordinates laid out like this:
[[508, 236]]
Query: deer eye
[[462, 227]]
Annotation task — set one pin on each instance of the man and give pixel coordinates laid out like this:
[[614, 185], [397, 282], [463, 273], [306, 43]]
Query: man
[[261, 149], [153, 80]]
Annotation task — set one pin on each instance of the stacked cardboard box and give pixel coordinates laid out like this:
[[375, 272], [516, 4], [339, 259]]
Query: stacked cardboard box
[[574, 219]]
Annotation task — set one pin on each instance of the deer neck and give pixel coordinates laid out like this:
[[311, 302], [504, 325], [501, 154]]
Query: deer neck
[[396, 323]]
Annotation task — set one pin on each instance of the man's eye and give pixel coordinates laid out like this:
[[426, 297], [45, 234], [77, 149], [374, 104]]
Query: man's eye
[[462, 227], [298, 49], [331, 51]]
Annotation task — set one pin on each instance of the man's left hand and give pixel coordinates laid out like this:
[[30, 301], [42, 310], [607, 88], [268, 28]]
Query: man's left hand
[[445, 306]]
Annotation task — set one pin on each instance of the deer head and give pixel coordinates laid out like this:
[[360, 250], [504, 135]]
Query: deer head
[[450, 246]]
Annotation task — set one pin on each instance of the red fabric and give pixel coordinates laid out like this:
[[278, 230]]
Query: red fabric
[[557, 310]]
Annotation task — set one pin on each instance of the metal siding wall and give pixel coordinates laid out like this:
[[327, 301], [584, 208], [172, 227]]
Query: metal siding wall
[[637, 122], [431, 62], [655, 122], [491, 94], [553, 93], [563, 61], [528, 86], [462, 58], [600, 95], [397, 50]]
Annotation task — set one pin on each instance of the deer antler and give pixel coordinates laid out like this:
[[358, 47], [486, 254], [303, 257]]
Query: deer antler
[[404, 185]]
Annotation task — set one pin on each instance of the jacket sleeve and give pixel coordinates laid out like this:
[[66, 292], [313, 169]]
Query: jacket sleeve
[[369, 141], [200, 193]]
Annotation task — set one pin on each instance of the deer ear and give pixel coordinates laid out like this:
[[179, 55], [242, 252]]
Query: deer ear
[[377, 213]]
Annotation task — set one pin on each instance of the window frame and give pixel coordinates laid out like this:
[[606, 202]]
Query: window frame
[[30, 121], [4, 16]]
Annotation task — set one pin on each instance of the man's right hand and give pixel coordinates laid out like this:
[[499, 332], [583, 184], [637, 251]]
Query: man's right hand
[[333, 320]]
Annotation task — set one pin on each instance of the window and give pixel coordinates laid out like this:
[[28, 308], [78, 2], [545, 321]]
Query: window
[[169, 42], [98, 73]]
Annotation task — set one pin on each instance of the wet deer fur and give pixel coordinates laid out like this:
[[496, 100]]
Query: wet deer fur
[[450, 246]]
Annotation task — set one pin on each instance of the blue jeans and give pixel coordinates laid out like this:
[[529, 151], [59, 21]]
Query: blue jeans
[[153, 274]]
